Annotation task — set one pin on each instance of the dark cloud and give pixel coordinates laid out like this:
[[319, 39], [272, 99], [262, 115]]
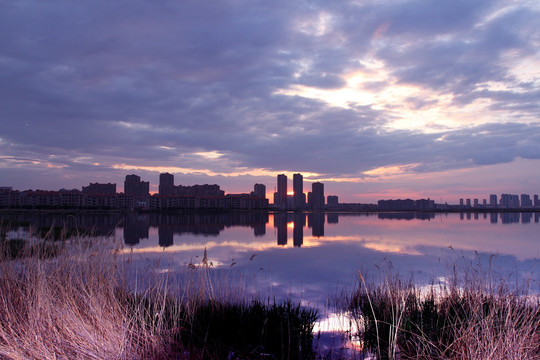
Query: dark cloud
[[139, 83]]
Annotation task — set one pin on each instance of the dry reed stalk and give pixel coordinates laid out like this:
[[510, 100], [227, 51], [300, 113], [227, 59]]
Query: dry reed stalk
[[67, 307], [480, 317]]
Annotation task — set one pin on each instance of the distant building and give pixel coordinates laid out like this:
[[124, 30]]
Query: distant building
[[526, 200], [493, 200], [406, 205], [476, 203], [536, 201], [70, 198], [399, 204], [245, 202], [134, 186], [8, 197], [97, 188], [509, 201], [332, 200], [298, 187], [281, 192], [166, 184], [259, 190], [317, 191]]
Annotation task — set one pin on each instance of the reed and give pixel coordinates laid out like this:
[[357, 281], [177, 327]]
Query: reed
[[473, 317], [81, 301], [67, 306]]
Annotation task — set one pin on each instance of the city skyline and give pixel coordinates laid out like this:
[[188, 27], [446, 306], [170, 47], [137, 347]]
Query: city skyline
[[375, 99], [283, 199]]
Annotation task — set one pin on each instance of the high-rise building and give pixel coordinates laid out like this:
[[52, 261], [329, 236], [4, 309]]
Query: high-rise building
[[166, 184], [526, 200], [281, 191], [536, 201], [134, 186], [259, 190], [317, 191], [298, 187], [493, 200], [509, 201]]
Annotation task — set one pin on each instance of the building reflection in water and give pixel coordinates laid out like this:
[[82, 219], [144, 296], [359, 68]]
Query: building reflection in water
[[298, 229], [135, 226], [510, 217], [316, 223], [166, 235], [332, 218], [209, 224], [280, 223], [409, 216]]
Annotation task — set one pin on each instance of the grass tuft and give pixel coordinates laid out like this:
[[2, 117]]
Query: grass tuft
[[478, 319]]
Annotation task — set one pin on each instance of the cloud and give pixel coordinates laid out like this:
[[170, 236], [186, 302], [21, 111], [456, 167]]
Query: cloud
[[335, 89]]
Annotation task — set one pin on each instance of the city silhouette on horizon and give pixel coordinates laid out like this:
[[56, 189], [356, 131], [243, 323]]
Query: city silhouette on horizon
[[136, 196]]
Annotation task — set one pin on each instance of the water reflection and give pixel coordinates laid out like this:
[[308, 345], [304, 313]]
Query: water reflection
[[297, 221], [135, 226], [311, 255], [172, 227]]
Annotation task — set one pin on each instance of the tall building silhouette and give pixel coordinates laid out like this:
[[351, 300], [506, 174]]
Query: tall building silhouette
[[134, 186], [281, 197], [166, 184], [259, 190], [509, 201], [493, 200], [298, 187], [526, 200], [317, 196]]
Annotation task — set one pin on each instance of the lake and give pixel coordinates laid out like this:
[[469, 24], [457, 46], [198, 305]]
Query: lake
[[310, 257]]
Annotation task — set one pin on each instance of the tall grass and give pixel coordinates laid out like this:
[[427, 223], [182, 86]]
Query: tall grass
[[80, 299], [68, 306], [477, 318]]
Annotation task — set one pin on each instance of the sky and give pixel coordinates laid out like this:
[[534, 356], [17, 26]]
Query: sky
[[376, 99]]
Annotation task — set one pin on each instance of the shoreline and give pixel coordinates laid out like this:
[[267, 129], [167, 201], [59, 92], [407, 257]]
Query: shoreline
[[271, 211]]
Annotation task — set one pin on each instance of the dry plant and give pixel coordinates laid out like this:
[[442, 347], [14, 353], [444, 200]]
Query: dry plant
[[475, 316], [71, 305]]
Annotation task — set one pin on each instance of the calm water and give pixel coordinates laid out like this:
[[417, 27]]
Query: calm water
[[313, 256]]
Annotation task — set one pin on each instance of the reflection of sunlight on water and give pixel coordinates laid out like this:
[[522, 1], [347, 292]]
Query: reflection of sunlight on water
[[338, 331], [390, 248]]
